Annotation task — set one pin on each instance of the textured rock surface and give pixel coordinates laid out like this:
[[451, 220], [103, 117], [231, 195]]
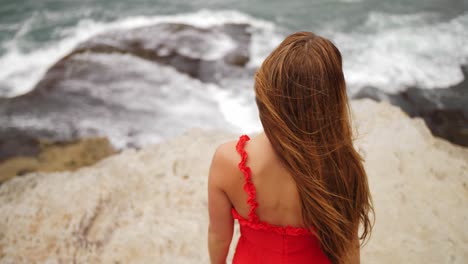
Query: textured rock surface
[[420, 189], [136, 207], [149, 206], [50, 156]]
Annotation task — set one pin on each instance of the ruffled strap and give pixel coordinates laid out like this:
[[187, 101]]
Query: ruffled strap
[[248, 185]]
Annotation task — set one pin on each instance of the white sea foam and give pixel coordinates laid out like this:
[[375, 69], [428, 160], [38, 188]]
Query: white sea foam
[[178, 103], [389, 52], [405, 50], [238, 108], [22, 70]]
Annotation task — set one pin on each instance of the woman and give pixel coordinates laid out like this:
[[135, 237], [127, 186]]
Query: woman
[[299, 189]]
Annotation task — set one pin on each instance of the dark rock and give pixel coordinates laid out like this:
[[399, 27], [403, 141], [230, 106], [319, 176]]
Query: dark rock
[[240, 55], [54, 156], [198, 52], [14, 142], [132, 86], [445, 110]]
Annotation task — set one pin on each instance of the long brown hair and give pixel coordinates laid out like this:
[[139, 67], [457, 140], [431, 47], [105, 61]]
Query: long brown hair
[[303, 106]]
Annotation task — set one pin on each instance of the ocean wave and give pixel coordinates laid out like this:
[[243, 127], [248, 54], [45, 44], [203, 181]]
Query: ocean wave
[[404, 51], [237, 105], [388, 51], [22, 70], [129, 104]]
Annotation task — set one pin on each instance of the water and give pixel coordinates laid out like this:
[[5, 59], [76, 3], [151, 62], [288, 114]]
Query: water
[[387, 44], [390, 45]]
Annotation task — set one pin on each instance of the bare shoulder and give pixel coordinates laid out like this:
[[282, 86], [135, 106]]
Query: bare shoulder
[[225, 155], [227, 151], [224, 164]]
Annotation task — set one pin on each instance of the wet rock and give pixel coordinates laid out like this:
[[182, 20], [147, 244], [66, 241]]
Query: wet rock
[[14, 142], [44, 156], [134, 86], [207, 54], [445, 110]]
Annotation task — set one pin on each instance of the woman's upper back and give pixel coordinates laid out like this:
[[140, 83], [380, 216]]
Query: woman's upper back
[[269, 216], [276, 192]]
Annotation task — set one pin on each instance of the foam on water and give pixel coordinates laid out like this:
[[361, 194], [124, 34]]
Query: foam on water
[[22, 70], [393, 52], [216, 48], [390, 52], [238, 108]]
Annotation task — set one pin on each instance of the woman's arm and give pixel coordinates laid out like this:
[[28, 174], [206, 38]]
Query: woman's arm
[[221, 224], [355, 252]]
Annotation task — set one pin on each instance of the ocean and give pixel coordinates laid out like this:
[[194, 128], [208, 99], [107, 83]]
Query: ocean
[[387, 45]]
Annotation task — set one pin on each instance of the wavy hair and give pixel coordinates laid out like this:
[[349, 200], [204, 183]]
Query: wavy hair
[[303, 106]]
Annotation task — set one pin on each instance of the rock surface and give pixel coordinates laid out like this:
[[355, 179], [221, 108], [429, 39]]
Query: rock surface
[[445, 110], [150, 206], [28, 155]]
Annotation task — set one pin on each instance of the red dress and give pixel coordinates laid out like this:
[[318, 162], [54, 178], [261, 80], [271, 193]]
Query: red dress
[[261, 242]]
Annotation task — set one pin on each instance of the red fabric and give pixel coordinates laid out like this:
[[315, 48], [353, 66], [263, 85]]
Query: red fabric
[[261, 242]]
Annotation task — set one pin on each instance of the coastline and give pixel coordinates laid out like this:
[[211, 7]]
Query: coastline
[[203, 80], [150, 204]]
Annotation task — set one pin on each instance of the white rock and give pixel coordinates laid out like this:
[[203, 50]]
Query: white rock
[[150, 206]]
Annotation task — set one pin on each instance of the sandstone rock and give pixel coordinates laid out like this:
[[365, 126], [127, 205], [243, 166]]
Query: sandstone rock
[[420, 188], [150, 206]]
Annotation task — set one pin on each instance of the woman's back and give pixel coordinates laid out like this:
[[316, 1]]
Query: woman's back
[[277, 197], [267, 207]]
